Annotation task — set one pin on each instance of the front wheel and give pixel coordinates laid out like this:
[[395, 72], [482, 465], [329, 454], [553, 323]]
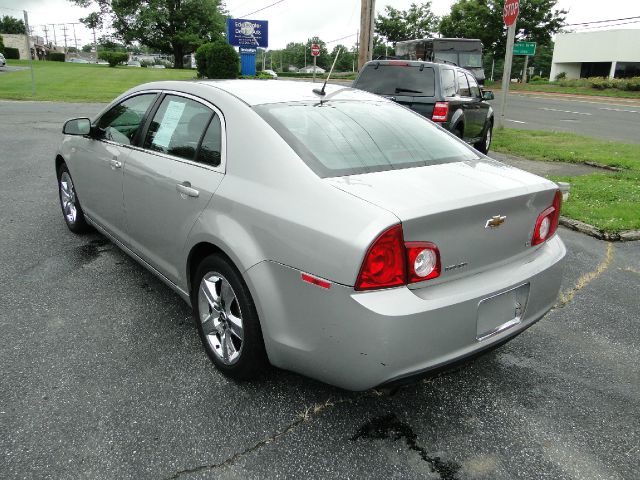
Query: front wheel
[[71, 209], [227, 319], [484, 144]]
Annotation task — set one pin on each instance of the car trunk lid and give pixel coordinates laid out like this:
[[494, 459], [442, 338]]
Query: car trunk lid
[[479, 213]]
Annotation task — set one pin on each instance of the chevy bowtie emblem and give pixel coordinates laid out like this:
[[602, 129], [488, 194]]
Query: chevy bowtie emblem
[[496, 221]]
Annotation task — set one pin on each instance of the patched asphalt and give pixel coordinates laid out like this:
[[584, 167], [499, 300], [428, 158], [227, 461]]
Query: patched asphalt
[[103, 375]]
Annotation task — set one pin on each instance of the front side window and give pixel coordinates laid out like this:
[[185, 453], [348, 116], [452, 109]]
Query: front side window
[[350, 137], [177, 127], [473, 86], [463, 85], [122, 122]]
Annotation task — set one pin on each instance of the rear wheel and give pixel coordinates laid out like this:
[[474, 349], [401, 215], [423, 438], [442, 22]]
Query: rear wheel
[[457, 132], [484, 144], [227, 319], [71, 209]]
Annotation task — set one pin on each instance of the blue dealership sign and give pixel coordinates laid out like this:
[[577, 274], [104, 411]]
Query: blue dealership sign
[[248, 33]]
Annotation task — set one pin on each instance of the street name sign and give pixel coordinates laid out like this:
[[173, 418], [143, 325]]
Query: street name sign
[[524, 48]]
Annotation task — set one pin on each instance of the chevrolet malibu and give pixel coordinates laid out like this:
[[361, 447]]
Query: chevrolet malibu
[[333, 233]]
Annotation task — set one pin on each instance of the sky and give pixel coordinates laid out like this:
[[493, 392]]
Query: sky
[[298, 20]]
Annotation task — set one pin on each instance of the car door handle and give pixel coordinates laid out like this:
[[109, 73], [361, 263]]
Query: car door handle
[[186, 189], [115, 163]]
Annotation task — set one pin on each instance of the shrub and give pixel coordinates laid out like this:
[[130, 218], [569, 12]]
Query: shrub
[[113, 58], [11, 53], [56, 57], [217, 60], [561, 76]]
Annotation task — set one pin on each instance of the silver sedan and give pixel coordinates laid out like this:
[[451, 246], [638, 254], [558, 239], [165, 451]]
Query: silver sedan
[[335, 233]]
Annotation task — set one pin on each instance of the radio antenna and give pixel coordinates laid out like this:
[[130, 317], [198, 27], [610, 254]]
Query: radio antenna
[[321, 92]]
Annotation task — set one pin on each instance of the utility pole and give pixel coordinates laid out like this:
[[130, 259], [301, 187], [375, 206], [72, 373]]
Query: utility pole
[[506, 73], [75, 39], [46, 36], [524, 71], [64, 29], [55, 39], [28, 41], [367, 15], [95, 44]]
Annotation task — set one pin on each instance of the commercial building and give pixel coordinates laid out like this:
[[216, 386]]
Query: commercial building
[[605, 53]]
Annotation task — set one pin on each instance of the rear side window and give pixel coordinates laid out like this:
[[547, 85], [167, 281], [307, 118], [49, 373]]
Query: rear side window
[[177, 127], [463, 85], [397, 79], [448, 80], [209, 152], [347, 137], [473, 86]]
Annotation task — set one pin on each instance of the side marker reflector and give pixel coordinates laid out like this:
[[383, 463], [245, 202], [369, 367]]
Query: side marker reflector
[[315, 281]]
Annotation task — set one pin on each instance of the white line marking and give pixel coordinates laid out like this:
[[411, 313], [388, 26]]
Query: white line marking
[[514, 121], [564, 111], [570, 100], [619, 110]]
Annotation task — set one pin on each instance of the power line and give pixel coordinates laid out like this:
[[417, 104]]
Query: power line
[[607, 26], [600, 21], [341, 38], [261, 9]]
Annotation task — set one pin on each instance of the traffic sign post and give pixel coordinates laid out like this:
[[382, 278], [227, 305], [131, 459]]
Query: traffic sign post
[[315, 51], [509, 15], [527, 49]]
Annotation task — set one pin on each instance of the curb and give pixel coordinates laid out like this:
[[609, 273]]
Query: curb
[[578, 226]]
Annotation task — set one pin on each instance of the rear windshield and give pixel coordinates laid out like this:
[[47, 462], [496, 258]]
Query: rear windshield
[[397, 79], [346, 137]]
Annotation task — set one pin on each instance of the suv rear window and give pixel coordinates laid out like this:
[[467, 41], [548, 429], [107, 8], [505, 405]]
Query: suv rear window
[[347, 137], [396, 79]]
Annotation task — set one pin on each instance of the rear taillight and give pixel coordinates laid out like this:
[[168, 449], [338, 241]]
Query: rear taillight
[[547, 221], [440, 112], [390, 262]]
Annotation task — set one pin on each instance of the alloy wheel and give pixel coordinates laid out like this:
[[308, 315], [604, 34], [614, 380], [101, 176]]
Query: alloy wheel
[[221, 317], [68, 198]]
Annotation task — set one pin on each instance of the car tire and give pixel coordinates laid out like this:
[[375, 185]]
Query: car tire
[[483, 145], [227, 319], [69, 203]]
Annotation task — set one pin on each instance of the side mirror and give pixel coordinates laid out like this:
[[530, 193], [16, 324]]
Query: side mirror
[[488, 95], [77, 126]]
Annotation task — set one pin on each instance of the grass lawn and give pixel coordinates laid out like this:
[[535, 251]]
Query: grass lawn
[[77, 82], [543, 87], [610, 200]]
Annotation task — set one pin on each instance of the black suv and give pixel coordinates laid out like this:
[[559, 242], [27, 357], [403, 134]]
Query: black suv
[[444, 93]]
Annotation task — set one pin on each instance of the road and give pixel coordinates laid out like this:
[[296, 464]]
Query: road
[[103, 374], [609, 119]]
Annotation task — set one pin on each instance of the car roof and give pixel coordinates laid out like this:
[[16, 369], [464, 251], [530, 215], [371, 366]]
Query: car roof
[[257, 92]]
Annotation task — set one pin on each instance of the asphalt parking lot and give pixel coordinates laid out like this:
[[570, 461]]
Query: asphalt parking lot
[[103, 374]]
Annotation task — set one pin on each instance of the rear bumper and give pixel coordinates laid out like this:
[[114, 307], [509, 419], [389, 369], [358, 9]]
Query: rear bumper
[[358, 340]]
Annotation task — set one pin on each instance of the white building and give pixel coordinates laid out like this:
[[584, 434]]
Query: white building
[[605, 53]]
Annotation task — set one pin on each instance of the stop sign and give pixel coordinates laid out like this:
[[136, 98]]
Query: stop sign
[[510, 11], [315, 49]]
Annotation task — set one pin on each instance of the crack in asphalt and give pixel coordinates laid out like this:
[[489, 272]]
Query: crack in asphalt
[[389, 426], [566, 296], [307, 414]]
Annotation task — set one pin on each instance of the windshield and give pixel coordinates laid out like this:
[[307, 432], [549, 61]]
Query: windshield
[[345, 138], [470, 59], [397, 79]]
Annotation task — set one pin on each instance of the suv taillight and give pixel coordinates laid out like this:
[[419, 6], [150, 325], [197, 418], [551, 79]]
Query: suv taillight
[[547, 221], [440, 112], [390, 262]]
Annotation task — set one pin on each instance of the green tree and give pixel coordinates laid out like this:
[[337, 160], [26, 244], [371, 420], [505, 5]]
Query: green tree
[[538, 21], [175, 27], [1, 45], [12, 25], [345, 60], [87, 48], [217, 60], [397, 25]]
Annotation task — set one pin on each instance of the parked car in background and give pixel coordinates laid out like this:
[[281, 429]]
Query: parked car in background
[[133, 63], [444, 93], [364, 246], [77, 60], [3, 61], [157, 66], [271, 73]]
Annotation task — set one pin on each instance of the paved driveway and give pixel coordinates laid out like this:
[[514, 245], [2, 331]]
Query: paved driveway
[[103, 375]]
